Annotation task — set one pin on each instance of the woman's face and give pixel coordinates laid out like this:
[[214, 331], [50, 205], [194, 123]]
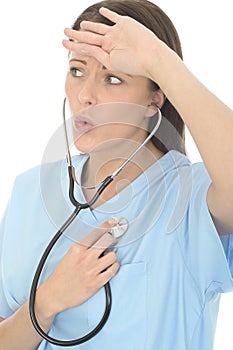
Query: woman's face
[[89, 84]]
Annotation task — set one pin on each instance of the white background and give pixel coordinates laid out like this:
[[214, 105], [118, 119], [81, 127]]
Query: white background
[[33, 67]]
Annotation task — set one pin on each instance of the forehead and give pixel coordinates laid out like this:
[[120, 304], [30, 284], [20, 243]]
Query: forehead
[[93, 63], [85, 60]]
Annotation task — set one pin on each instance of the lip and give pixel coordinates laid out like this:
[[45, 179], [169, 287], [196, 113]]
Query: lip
[[83, 124]]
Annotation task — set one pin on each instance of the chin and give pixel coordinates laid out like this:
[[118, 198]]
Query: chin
[[91, 141], [83, 147]]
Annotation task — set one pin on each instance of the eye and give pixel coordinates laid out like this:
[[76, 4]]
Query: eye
[[75, 72], [111, 79]]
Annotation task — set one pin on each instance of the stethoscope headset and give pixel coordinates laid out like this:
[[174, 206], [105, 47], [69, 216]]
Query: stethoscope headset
[[78, 207]]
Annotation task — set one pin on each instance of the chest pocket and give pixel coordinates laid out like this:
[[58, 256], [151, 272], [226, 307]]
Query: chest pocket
[[127, 324]]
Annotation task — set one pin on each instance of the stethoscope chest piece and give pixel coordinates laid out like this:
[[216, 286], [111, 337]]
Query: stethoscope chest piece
[[120, 227]]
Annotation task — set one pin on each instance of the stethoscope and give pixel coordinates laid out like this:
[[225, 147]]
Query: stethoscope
[[117, 231]]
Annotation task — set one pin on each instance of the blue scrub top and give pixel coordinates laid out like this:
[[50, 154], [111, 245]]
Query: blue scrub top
[[174, 266]]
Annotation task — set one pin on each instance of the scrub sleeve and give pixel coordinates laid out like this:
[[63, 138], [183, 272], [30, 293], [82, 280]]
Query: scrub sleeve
[[5, 310], [207, 255]]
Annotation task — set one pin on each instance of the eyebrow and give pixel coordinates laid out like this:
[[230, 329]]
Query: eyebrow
[[81, 61], [85, 63]]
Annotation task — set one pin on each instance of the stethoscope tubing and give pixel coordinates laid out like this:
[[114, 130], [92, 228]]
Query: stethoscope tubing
[[108, 294], [56, 237]]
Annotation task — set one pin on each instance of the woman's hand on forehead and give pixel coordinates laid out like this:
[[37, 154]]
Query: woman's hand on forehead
[[123, 47]]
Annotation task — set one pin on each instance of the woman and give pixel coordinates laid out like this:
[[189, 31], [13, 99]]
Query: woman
[[173, 262]]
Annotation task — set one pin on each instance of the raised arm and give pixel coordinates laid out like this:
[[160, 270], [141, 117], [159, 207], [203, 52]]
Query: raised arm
[[210, 123], [131, 48]]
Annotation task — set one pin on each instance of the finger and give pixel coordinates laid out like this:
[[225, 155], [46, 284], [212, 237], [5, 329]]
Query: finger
[[106, 275], [104, 242], [98, 28], [88, 50], [96, 251], [97, 52], [112, 16], [84, 37], [105, 262], [96, 234]]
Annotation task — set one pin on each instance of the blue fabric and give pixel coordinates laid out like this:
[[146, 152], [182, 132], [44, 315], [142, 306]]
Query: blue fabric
[[174, 266]]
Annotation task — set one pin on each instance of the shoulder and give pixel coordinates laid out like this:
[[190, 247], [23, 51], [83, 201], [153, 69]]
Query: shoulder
[[184, 166], [45, 174], [186, 186], [43, 190], [181, 171], [34, 173]]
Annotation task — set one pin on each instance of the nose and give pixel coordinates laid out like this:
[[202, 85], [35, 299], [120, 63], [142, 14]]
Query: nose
[[87, 95]]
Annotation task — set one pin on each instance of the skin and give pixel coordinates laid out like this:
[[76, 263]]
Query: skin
[[120, 49], [79, 274], [89, 84], [209, 120]]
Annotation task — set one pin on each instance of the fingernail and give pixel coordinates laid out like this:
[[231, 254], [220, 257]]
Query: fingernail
[[112, 222], [82, 24]]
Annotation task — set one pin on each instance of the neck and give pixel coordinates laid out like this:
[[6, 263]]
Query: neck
[[105, 162]]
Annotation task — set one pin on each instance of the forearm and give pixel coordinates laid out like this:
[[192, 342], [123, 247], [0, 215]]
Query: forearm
[[17, 332], [210, 121]]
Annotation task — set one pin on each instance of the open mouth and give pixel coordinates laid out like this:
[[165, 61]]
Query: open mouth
[[83, 124]]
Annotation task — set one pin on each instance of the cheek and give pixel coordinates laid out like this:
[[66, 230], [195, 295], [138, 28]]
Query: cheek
[[67, 82], [68, 88], [71, 89], [138, 96]]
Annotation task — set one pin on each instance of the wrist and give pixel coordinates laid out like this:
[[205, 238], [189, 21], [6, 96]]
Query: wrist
[[44, 309], [162, 63]]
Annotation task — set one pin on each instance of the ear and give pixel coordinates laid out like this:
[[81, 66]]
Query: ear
[[158, 98]]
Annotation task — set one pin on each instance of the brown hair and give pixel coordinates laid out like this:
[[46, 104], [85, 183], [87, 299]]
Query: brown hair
[[171, 132]]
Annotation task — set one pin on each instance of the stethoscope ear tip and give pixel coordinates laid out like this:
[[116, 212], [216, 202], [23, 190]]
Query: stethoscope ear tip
[[121, 226]]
